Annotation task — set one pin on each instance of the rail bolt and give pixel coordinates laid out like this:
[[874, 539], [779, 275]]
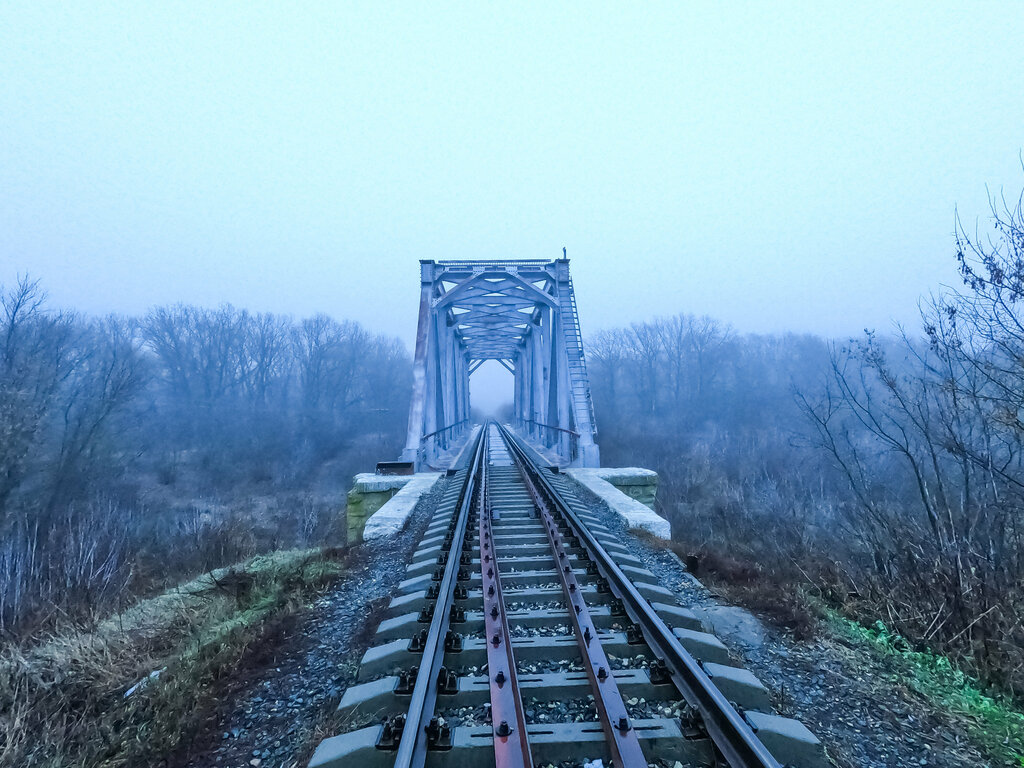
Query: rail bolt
[[418, 641], [447, 681], [439, 734], [406, 681], [391, 733], [659, 673]]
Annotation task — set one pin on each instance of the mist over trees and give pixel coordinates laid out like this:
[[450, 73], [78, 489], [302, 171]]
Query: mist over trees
[[714, 413], [135, 450], [883, 476]]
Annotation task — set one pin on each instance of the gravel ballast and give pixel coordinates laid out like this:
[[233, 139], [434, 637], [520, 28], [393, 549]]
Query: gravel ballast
[[852, 700], [271, 714], [849, 698]]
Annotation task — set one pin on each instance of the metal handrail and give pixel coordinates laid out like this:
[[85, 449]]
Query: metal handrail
[[551, 436], [550, 426], [444, 429]]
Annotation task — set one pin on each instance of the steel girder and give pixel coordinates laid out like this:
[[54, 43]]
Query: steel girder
[[521, 313]]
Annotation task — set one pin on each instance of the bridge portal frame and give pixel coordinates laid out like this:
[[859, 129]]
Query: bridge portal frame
[[521, 313]]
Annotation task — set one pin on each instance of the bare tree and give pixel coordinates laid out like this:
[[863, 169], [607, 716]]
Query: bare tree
[[37, 357], [110, 371], [268, 359]]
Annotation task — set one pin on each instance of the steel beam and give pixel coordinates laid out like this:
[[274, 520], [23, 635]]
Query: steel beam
[[520, 313]]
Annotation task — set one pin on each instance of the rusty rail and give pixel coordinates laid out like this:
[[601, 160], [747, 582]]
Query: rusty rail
[[733, 738], [511, 742], [611, 710]]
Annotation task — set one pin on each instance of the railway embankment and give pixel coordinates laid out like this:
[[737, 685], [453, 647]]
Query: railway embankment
[[869, 704], [247, 665], [131, 689]]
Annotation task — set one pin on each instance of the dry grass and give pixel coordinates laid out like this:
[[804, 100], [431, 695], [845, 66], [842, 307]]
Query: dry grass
[[64, 700], [772, 592]]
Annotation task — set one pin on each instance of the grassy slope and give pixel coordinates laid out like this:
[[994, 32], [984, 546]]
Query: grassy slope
[[994, 724], [63, 702]]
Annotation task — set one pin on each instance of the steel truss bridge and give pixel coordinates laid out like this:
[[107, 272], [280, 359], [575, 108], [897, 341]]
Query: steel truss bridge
[[525, 633], [523, 315], [528, 628]]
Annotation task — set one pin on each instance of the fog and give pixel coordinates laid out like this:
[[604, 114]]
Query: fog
[[211, 222], [778, 168]]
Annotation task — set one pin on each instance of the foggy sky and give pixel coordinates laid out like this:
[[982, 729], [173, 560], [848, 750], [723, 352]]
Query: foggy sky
[[777, 167]]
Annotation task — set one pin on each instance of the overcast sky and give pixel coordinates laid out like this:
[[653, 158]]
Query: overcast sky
[[777, 166]]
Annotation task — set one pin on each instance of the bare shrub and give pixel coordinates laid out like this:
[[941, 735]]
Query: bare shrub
[[107, 424], [84, 567], [891, 486]]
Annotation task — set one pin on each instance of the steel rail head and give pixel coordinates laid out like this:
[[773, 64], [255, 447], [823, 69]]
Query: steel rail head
[[508, 716], [731, 735], [412, 747], [611, 708]]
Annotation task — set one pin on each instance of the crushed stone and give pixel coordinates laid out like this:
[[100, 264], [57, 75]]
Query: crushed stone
[[271, 713], [852, 700]]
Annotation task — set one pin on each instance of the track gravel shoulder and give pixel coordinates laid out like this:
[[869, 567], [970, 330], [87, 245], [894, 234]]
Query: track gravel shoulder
[[270, 716], [854, 701]]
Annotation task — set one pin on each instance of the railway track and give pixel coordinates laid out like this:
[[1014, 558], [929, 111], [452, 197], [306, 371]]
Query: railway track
[[525, 635]]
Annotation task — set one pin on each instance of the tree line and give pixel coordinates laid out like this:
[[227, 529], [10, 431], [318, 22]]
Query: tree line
[[98, 415], [883, 476]]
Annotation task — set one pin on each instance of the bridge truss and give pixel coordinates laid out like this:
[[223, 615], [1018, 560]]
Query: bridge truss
[[522, 314]]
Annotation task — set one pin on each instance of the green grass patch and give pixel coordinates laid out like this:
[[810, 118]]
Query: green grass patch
[[63, 701], [992, 722]]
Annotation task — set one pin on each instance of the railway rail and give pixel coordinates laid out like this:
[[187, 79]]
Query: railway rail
[[525, 634]]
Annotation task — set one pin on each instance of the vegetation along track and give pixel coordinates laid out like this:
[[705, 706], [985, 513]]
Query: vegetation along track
[[524, 634]]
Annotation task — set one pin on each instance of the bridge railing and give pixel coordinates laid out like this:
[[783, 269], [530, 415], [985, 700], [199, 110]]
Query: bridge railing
[[565, 441], [433, 444]]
